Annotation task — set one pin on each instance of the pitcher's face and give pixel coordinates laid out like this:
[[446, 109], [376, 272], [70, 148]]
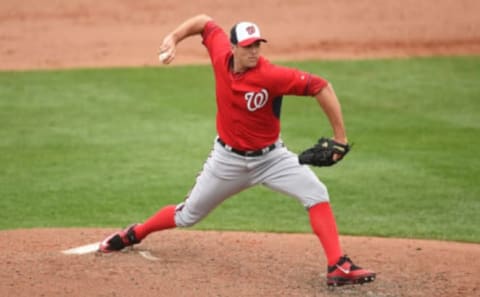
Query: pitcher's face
[[246, 57]]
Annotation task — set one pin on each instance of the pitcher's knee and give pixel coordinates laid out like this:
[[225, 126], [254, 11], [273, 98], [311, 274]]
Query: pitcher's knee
[[184, 223], [315, 194], [311, 201], [185, 218]]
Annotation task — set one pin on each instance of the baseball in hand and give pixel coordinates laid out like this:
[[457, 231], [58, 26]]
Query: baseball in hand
[[163, 56]]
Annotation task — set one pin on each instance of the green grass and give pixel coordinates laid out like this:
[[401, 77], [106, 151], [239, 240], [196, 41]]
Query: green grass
[[109, 147]]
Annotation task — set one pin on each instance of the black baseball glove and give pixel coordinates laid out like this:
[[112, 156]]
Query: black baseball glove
[[321, 154]]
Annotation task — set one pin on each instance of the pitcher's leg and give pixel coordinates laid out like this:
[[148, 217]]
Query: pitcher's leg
[[208, 192], [162, 220], [324, 226], [217, 181], [220, 178], [299, 181], [223, 175], [285, 174]]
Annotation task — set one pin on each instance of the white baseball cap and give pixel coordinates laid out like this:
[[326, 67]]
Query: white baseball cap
[[245, 33]]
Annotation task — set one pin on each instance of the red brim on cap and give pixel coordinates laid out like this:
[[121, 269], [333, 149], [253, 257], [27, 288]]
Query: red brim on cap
[[249, 41]]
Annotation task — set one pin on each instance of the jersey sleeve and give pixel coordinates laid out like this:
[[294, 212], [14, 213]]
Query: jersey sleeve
[[215, 40], [290, 81]]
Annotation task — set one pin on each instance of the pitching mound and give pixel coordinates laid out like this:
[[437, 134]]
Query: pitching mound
[[192, 263]]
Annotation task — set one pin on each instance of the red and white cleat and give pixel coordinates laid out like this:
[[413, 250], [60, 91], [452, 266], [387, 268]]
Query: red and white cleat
[[347, 273]]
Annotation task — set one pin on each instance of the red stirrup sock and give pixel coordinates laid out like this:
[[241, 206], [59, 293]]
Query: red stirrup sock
[[324, 226], [163, 219]]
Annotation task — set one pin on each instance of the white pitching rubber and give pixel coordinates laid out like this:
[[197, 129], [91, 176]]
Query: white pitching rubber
[[84, 249]]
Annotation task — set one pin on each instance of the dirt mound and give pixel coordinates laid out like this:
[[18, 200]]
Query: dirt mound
[[92, 33], [192, 263]]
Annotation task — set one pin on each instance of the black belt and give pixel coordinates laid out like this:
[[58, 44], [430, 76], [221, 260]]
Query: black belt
[[256, 153]]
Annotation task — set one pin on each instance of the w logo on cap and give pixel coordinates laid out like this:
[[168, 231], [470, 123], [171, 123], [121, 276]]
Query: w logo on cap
[[245, 33], [250, 30]]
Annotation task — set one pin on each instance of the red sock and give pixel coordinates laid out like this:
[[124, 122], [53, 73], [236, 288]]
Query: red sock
[[163, 219], [324, 226]]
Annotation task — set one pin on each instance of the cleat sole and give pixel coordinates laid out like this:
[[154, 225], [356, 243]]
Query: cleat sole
[[340, 281]]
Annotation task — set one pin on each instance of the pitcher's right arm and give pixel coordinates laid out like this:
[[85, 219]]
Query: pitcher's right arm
[[190, 27]]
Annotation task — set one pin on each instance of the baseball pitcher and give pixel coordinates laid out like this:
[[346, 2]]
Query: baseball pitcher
[[247, 149]]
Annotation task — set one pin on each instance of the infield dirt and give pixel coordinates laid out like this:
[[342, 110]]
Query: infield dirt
[[86, 33]]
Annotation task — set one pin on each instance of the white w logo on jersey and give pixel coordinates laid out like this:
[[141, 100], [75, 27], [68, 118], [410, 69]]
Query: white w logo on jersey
[[256, 100]]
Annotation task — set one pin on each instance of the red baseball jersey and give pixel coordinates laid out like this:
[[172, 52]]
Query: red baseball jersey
[[249, 103]]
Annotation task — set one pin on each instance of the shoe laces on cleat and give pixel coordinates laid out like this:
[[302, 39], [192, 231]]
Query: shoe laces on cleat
[[342, 267]]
